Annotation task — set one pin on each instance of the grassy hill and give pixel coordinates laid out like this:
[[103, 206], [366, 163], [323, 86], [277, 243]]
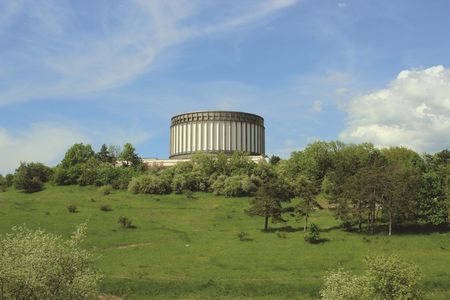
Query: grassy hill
[[189, 248]]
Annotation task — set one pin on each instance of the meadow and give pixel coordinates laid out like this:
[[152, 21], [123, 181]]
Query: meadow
[[189, 248]]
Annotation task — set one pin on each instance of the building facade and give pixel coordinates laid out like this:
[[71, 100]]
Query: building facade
[[216, 131]]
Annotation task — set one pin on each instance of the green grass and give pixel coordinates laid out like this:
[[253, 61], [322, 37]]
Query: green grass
[[189, 248]]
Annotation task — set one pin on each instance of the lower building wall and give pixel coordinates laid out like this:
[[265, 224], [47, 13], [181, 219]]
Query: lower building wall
[[166, 163]]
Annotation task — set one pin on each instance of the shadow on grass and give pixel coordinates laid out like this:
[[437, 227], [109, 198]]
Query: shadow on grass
[[282, 229], [382, 229], [319, 241]]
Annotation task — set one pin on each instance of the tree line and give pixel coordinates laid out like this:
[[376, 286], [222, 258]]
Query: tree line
[[367, 188]]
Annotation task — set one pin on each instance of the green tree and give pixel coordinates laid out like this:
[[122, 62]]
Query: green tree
[[313, 235], [2, 183], [35, 264], [9, 178], [104, 155], [432, 206], [305, 190], [374, 190], [274, 160], [29, 177], [240, 163], [267, 203], [129, 157], [78, 153]]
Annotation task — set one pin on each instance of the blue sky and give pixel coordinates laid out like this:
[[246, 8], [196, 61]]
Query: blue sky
[[116, 71]]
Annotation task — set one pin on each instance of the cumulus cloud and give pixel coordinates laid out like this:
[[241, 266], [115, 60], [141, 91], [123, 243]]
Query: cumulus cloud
[[56, 48], [413, 111]]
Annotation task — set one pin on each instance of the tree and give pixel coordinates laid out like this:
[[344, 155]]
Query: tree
[[104, 155], [9, 178], [267, 203], [129, 157], [35, 264], [2, 183], [378, 189], [29, 177], [305, 191], [313, 235], [432, 207], [78, 153], [274, 160]]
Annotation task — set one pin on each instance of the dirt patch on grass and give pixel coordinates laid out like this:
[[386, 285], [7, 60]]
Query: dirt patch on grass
[[132, 245], [108, 297]]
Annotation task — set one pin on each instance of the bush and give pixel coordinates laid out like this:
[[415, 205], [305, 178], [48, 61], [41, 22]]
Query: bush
[[313, 234], [39, 265], [105, 208], [189, 194], [386, 278], [29, 177], [281, 235], [2, 183], [244, 236], [185, 181], [61, 177], [341, 285], [392, 278], [125, 222], [149, 184], [72, 208], [235, 186], [105, 190], [9, 178]]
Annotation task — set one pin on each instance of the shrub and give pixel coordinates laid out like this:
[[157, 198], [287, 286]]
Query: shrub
[[9, 178], [35, 264], [244, 236], [392, 278], [2, 183], [184, 181], [218, 185], [105, 208], [59, 176], [235, 186], [149, 184], [29, 177], [386, 278], [105, 190], [125, 222], [122, 177], [313, 234], [341, 285], [281, 235], [72, 208], [189, 194], [106, 174]]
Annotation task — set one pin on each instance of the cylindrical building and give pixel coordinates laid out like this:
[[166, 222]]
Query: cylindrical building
[[216, 131]]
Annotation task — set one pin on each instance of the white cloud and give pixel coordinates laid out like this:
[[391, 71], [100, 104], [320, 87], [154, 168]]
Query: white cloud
[[59, 50], [48, 142], [40, 143], [413, 111]]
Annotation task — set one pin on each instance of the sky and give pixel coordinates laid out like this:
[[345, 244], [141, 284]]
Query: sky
[[111, 72]]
